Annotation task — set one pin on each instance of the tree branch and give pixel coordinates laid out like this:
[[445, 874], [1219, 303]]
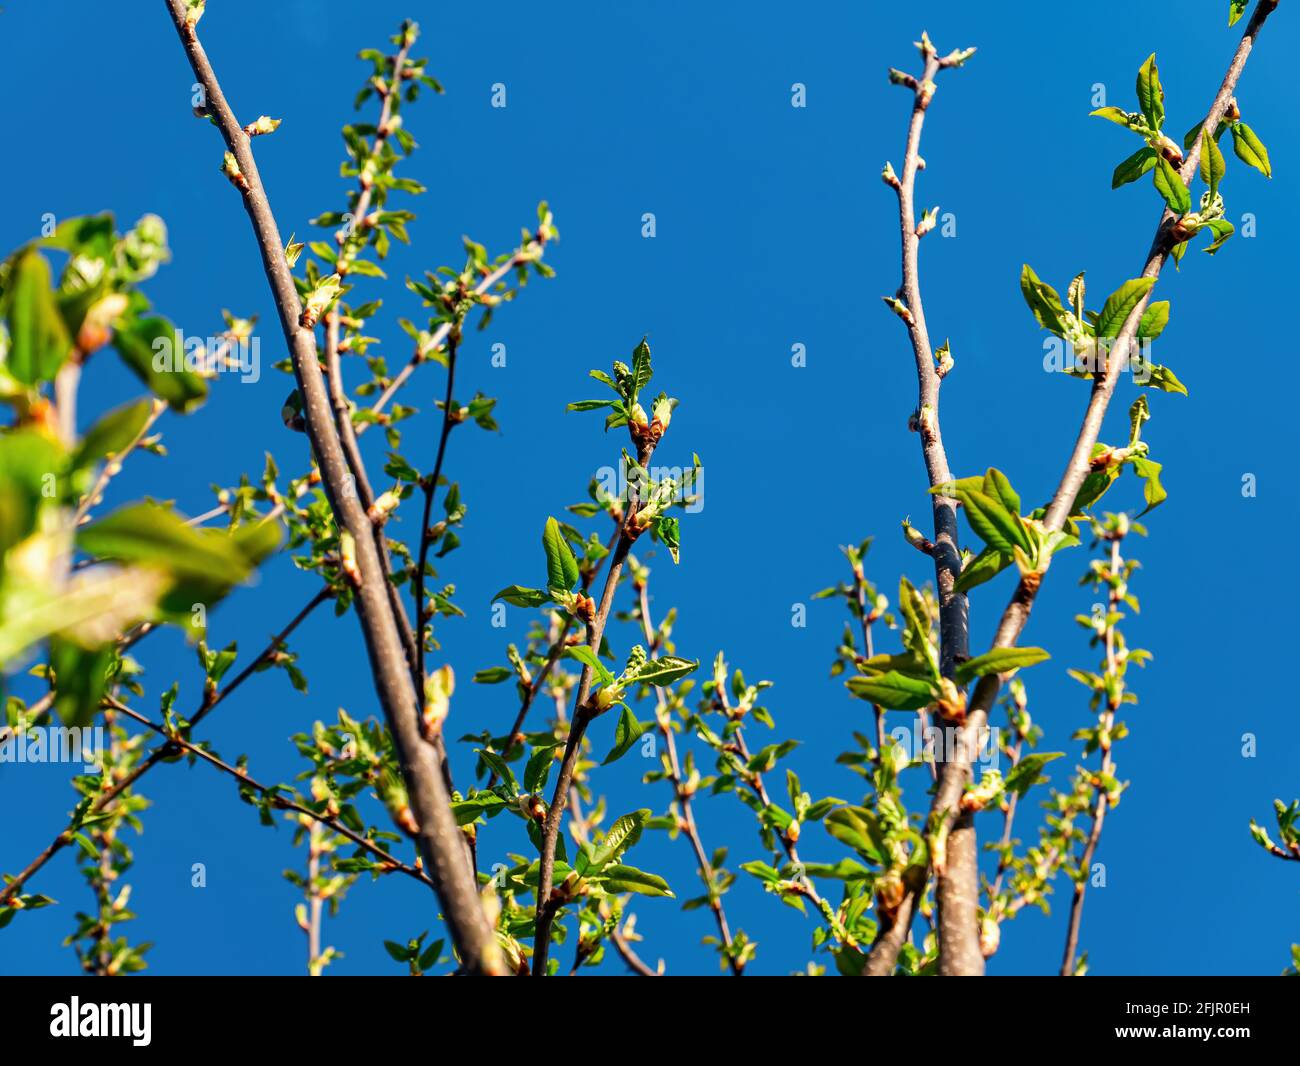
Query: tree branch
[[278, 801], [954, 622], [958, 880], [439, 838], [210, 702], [686, 823], [582, 717]]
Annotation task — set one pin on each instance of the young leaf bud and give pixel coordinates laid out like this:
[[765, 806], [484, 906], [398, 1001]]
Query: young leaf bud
[[96, 327], [951, 704], [348, 558], [899, 308], [384, 505], [990, 937], [230, 168], [264, 124], [438, 689], [325, 293], [1168, 149], [662, 412], [635, 660]]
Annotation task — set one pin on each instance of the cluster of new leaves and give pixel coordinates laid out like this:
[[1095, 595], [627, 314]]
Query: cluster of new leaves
[[1288, 831], [1161, 156], [1091, 334], [911, 680], [1021, 880], [76, 585], [73, 583], [595, 877], [104, 858], [729, 702]]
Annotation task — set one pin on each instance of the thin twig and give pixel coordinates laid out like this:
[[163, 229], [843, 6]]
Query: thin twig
[[686, 823], [515, 736], [211, 700], [582, 717], [1101, 802], [278, 799], [113, 465]]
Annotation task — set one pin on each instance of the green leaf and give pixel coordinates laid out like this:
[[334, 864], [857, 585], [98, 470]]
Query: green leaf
[[1152, 491], [996, 526], [519, 596], [149, 533], [149, 347], [622, 835], [1236, 8], [493, 675], [669, 531], [1164, 379], [1043, 300], [1154, 319], [630, 879], [397, 952], [998, 661], [762, 871], [984, 567], [916, 634], [626, 733], [1120, 303], [483, 803], [561, 566], [1212, 164], [1021, 776], [1116, 115], [894, 691], [498, 766], [82, 678], [590, 405], [112, 433], [431, 955], [1250, 149], [538, 768], [1170, 186], [641, 372], [38, 338], [997, 485], [589, 658], [1222, 230], [1151, 97], [665, 670], [1134, 166]]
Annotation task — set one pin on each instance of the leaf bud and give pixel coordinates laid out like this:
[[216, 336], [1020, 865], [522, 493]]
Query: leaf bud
[[438, 689], [230, 168], [384, 505], [990, 937], [348, 558], [264, 124]]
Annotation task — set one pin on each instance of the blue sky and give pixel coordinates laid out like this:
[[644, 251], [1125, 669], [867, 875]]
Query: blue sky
[[772, 229]]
